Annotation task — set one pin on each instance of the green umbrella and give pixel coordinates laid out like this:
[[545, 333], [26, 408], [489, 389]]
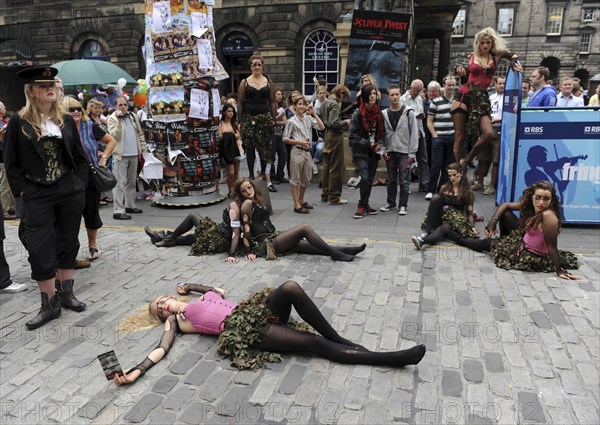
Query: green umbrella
[[79, 72]]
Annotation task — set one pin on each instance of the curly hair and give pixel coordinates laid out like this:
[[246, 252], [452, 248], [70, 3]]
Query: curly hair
[[464, 190], [528, 216], [237, 196], [498, 43]]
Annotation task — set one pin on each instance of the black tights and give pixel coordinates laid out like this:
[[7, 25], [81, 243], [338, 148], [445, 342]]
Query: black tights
[[329, 344], [251, 159], [304, 240], [507, 223], [188, 223]]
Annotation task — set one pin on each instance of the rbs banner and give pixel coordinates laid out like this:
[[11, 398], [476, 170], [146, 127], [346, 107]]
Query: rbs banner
[[563, 147]]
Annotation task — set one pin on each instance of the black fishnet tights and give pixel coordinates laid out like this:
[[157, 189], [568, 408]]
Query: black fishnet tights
[[329, 345]]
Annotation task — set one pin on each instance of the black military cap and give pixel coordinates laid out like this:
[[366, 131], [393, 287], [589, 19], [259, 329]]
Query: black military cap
[[38, 74]]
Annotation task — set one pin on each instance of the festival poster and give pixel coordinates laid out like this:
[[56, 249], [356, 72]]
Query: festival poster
[[510, 121], [561, 146], [167, 104], [175, 45], [166, 74], [199, 104], [161, 17], [377, 44]]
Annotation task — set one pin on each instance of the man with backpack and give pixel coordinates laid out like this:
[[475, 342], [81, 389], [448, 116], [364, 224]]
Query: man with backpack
[[401, 140]]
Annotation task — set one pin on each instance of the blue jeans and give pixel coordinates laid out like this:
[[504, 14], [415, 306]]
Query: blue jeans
[[442, 155], [398, 166], [367, 167], [316, 149]]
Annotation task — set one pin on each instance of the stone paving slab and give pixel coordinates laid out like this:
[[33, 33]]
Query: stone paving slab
[[503, 346]]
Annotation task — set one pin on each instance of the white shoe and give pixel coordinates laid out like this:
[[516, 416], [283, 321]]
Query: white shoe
[[386, 208], [403, 211], [417, 242], [15, 287], [315, 169], [429, 196]]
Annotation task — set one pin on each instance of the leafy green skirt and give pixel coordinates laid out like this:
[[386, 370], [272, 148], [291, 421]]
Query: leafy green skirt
[[480, 107], [210, 238], [457, 221], [246, 327], [509, 253], [256, 132]]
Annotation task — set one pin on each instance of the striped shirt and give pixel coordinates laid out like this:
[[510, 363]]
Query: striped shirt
[[442, 120]]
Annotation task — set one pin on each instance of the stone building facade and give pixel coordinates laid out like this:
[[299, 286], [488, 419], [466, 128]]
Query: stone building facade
[[299, 39], [562, 35], [44, 32]]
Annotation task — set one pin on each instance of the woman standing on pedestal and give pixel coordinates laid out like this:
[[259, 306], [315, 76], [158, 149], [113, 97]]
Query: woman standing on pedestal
[[256, 109]]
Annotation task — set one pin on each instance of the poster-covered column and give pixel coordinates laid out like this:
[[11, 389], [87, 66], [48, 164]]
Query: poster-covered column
[[183, 101]]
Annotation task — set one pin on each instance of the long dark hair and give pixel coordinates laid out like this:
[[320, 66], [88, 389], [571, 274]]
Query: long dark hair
[[529, 217], [464, 190], [237, 196], [234, 123]]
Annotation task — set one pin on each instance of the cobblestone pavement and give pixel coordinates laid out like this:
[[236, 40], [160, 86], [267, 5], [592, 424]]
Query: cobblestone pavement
[[503, 346]]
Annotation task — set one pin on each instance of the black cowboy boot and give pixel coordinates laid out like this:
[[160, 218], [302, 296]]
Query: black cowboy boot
[[64, 290], [154, 235], [50, 310], [167, 241]]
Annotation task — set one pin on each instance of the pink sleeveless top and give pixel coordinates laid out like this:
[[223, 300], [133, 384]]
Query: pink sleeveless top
[[535, 242], [207, 315]]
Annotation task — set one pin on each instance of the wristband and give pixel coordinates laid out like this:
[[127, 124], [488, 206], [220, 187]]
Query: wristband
[[104, 156]]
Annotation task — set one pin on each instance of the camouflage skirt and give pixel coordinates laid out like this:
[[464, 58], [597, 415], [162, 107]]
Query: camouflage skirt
[[245, 329], [480, 107], [260, 244], [256, 132], [509, 253], [210, 238], [457, 221]]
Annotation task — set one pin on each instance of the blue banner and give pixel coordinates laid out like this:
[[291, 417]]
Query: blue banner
[[563, 147], [511, 109]]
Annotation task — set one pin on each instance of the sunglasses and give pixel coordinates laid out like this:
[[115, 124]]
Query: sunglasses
[[77, 109], [542, 198]]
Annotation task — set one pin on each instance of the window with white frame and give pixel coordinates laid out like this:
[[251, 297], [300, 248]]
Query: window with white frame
[[321, 60], [555, 18], [585, 40], [458, 27], [505, 21], [502, 68], [587, 15]]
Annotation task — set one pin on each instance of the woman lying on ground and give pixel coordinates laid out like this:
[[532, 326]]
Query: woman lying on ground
[[450, 212], [528, 243], [248, 219], [252, 332]]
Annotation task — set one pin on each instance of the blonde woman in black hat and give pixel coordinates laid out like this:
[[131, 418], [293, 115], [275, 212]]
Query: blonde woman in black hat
[[46, 166]]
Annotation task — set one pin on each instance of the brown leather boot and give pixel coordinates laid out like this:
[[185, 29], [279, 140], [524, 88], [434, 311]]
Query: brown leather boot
[[64, 290], [50, 310]]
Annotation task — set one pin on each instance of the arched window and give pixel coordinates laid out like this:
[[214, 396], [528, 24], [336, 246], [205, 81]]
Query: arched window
[[92, 49], [320, 60]]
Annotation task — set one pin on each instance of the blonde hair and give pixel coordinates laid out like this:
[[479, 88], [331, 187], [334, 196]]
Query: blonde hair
[[498, 43], [31, 114], [91, 103], [371, 78], [142, 318], [71, 102]]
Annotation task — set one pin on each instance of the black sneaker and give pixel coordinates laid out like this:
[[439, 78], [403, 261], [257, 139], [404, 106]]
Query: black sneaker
[[272, 188], [387, 208], [371, 211]]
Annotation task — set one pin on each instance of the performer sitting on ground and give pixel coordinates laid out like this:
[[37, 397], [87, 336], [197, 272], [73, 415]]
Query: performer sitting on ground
[[450, 212], [252, 332], [248, 218], [528, 243]]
